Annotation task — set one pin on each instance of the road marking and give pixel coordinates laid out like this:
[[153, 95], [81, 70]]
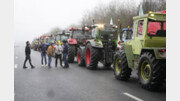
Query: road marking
[[133, 97], [15, 66]]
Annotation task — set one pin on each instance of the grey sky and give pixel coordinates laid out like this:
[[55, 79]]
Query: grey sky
[[33, 17]]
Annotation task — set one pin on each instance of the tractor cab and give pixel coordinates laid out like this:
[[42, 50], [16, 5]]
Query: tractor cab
[[149, 31], [60, 37], [79, 36], [104, 32]]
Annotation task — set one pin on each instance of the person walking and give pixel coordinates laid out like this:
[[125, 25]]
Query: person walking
[[43, 49], [27, 53], [50, 54], [58, 53], [65, 52]]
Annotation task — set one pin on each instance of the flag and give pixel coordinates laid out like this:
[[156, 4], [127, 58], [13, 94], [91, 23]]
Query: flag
[[111, 22], [140, 10]]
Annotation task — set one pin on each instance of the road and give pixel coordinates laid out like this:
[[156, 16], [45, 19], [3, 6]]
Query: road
[[74, 84]]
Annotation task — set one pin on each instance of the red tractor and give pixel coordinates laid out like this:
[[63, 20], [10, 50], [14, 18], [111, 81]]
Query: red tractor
[[78, 38]]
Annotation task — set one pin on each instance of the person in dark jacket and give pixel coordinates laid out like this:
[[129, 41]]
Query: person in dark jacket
[[65, 52], [43, 49], [27, 53]]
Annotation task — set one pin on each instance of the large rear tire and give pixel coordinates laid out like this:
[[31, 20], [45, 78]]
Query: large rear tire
[[92, 57], [151, 71], [80, 57], [121, 69], [71, 53]]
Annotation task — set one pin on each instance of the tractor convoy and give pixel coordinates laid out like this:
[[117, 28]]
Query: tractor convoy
[[141, 48]]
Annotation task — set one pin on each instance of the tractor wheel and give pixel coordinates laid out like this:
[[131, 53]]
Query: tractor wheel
[[121, 69], [151, 71], [71, 53], [92, 57], [80, 58]]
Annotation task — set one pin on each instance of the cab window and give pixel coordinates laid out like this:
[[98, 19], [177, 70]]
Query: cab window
[[140, 28], [134, 29], [94, 32]]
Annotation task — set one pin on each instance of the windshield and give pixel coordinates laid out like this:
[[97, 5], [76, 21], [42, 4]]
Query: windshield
[[58, 37], [157, 28], [77, 34], [127, 35], [108, 33], [64, 38]]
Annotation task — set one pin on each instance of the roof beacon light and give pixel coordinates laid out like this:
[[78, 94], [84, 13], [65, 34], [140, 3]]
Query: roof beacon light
[[150, 12]]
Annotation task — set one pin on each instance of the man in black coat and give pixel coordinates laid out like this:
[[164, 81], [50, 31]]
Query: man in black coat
[[65, 53], [28, 52]]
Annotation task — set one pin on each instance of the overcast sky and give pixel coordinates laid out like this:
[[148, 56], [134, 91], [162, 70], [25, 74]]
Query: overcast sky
[[34, 17]]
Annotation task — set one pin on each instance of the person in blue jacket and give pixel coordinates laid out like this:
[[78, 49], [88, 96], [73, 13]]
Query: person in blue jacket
[[43, 49], [65, 53]]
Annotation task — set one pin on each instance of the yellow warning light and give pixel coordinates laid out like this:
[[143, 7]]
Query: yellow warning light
[[150, 12], [93, 18]]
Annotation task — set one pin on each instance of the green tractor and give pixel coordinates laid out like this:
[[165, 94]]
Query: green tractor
[[63, 36], [146, 52], [100, 48]]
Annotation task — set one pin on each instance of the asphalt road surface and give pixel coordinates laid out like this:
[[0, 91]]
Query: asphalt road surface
[[74, 84]]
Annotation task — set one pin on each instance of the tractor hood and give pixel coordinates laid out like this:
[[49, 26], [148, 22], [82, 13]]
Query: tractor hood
[[155, 42]]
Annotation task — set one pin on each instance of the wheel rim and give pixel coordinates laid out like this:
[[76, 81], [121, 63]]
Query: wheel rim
[[79, 57], [88, 56], [117, 65], [145, 70]]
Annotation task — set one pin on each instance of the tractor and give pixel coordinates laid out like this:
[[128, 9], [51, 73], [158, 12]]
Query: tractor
[[145, 52], [77, 38], [100, 48], [35, 44], [60, 37]]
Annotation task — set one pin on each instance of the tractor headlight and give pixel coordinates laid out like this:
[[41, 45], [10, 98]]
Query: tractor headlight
[[152, 15], [100, 26]]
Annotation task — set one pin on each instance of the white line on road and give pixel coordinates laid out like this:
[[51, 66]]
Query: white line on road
[[15, 66], [133, 97]]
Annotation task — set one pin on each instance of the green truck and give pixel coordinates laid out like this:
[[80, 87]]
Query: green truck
[[146, 52]]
